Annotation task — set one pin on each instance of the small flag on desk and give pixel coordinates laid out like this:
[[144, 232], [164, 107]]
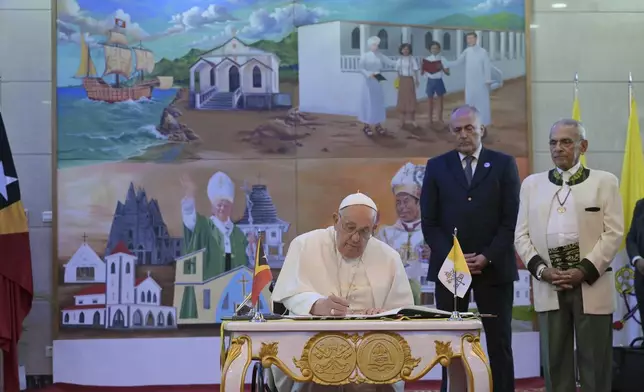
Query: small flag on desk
[[16, 286], [454, 274], [262, 275]]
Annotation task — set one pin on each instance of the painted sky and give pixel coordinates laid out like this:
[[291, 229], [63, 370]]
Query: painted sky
[[172, 27]]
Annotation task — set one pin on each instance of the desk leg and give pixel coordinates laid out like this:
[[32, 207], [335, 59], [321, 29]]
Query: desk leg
[[469, 374], [236, 365]]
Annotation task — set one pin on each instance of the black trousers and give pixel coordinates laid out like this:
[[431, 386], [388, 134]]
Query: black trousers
[[639, 294], [496, 300]]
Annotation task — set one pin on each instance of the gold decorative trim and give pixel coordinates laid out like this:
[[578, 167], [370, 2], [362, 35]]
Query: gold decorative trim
[[477, 349], [385, 358], [444, 352], [268, 354], [233, 352]]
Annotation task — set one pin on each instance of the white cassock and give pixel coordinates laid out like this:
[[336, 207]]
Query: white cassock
[[313, 270], [478, 72]]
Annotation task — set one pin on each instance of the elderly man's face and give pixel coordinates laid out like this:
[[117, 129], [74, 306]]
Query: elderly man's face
[[353, 230], [373, 47], [222, 209], [468, 131], [471, 40], [407, 207], [566, 146]]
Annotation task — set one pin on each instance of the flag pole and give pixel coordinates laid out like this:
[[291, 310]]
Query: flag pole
[[258, 317], [456, 316], [576, 88], [630, 91]]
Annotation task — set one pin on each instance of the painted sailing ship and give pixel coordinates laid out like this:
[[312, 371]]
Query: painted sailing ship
[[128, 84]]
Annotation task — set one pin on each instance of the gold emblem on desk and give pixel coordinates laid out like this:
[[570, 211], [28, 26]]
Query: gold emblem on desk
[[331, 358]]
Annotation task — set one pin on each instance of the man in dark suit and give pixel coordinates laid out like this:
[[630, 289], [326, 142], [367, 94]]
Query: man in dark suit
[[635, 250], [476, 190]]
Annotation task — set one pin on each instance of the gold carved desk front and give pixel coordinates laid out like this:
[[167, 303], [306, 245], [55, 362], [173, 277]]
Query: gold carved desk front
[[357, 352]]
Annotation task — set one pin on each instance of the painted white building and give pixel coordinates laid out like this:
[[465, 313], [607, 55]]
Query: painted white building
[[84, 267], [329, 78], [234, 75], [122, 301]]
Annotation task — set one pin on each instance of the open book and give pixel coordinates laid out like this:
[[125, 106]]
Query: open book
[[414, 311]]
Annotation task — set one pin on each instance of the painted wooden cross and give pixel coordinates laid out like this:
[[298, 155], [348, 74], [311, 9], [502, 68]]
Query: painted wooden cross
[[84, 237]]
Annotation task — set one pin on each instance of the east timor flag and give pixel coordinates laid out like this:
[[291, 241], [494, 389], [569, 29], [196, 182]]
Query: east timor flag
[[262, 275], [16, 285]]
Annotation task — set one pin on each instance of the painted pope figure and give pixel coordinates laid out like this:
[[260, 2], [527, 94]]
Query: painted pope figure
[[406, 235], [225, 244], [341, 270], [478, 77]]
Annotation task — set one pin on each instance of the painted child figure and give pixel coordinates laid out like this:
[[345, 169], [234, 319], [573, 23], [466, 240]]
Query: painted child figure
[[406, 235], [435, 88]]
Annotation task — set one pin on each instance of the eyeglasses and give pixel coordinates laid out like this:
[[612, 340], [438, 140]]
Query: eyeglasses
[[349, 228]]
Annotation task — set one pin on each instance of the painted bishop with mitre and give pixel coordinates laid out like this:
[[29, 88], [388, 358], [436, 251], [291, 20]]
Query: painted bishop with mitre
[[341, 270], [406, 235]]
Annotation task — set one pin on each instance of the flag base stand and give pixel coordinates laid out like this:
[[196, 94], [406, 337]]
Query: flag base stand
[[258, 318], [456, 316]]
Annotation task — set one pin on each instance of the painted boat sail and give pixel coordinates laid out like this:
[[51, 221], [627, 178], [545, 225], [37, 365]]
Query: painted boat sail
[[120, 58]]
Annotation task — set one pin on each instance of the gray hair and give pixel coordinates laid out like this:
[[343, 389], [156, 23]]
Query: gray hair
[[374, 213], [373, 41], [467, 109], [569, 122]]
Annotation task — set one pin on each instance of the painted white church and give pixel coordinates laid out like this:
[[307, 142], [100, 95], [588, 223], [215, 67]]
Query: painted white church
[[330, 80], [84, 266], [121, 301], [235, 75]]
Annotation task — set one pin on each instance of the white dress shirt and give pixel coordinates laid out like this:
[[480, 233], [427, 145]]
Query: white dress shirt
[[476, 155]]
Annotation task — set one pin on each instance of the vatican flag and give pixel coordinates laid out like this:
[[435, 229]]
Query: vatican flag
[[632, 189], [576, 115], [454, 274]]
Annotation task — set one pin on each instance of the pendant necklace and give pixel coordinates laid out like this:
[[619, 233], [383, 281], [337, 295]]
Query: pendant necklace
[[561, 209]]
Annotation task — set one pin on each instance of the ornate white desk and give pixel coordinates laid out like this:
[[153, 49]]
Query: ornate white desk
[[339, 352]]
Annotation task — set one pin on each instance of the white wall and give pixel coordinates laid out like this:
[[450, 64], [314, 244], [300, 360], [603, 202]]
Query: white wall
[[597, 38], [25, 102]]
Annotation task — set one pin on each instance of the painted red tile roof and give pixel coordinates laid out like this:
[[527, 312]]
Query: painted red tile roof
[[100, 288], [85, 307], [121, 248]]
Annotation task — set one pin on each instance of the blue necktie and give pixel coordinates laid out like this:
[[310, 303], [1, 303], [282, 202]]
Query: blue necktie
[[468, 169]]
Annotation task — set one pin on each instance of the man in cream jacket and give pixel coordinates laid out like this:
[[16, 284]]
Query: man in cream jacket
[[569, 229]]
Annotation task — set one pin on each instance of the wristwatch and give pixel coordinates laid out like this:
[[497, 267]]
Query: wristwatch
[[540, 272]]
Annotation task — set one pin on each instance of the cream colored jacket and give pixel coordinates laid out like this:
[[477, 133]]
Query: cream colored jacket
[[601, 228]]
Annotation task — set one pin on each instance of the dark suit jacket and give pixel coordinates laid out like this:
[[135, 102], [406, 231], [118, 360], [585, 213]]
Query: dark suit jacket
[[635, 236], [484, 213]]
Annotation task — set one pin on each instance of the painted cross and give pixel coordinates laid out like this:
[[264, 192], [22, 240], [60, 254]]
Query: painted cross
[[84, 237], [243, 282]]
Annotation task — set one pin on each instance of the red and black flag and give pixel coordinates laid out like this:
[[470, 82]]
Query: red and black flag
[[16, 284], [262, 275]]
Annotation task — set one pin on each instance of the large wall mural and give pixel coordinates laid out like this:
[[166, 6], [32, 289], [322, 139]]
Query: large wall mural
[[184, 127]]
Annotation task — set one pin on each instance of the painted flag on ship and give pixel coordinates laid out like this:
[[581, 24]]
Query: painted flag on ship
[[119, 23], [454, 274], [262, 275], [16, 282]]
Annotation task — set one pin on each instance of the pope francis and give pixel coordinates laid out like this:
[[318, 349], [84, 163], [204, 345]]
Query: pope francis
[[341, 270]]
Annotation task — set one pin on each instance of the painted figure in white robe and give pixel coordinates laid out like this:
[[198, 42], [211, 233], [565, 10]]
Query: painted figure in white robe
[[372, 111], [478, 77], [341, 270], [406, 235]]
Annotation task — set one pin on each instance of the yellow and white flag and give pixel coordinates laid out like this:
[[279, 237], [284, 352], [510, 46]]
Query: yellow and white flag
[[576, 115], [454, 274], [632, 189]]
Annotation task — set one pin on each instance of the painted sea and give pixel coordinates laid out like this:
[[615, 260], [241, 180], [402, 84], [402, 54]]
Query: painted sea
[[92, 131]]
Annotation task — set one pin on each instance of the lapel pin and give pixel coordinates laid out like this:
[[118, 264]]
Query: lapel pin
[[486, 164]]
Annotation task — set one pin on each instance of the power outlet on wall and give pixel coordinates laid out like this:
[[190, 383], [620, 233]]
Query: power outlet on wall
[[49, 351]]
